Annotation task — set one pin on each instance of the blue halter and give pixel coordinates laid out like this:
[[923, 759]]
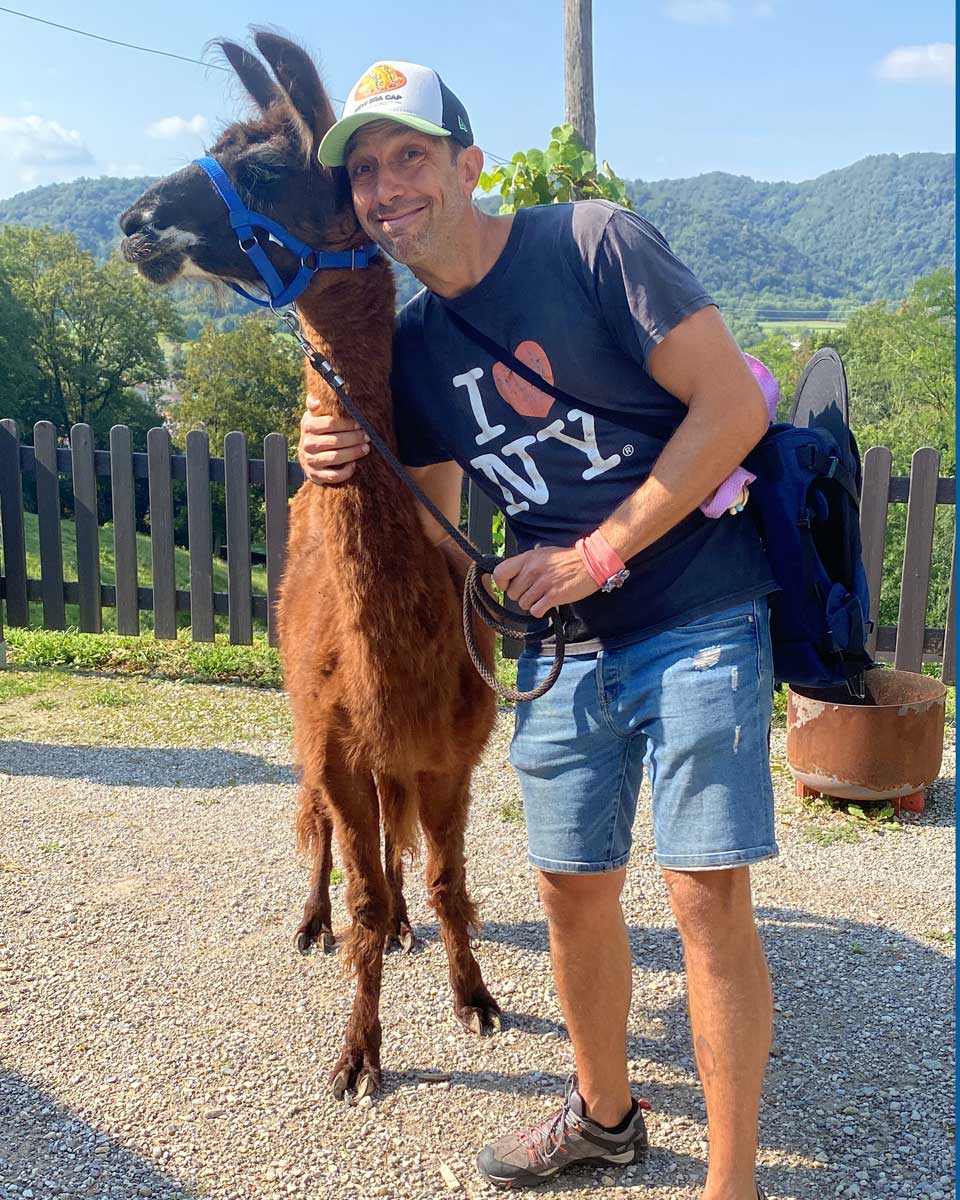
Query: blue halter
[[244, 220]]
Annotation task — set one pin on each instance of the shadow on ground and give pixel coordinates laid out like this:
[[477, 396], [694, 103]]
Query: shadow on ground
[[48, 1150], [140, 766]]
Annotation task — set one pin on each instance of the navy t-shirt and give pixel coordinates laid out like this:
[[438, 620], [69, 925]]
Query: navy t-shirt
[[582, 293]]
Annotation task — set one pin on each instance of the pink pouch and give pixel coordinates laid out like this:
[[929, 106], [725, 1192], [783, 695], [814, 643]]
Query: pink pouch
[[727, 494]]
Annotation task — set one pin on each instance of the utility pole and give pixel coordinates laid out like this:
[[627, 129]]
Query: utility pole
[[578, 69]]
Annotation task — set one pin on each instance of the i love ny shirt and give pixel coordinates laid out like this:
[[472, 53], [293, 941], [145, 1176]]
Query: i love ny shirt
[[582, 293]]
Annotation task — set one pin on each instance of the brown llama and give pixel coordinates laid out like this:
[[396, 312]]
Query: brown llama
[[390, 715]]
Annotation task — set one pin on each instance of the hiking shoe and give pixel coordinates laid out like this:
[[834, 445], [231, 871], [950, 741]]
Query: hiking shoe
[[565, 1138]]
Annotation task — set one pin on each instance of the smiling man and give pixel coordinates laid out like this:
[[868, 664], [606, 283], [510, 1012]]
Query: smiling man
[[668, 662]]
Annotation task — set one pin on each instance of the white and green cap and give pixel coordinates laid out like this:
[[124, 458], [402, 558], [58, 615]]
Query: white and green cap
[[397, 91]]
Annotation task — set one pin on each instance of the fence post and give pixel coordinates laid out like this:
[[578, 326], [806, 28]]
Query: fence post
[[948, 672], [47, 478], [11, 525], [874, 498], [200, 536], [240, 588], [88, 532], [276, 504], [124, 509], [161, 534], [917, 554]]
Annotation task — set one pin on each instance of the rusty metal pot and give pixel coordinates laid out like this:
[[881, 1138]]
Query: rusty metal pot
[[889, 748]]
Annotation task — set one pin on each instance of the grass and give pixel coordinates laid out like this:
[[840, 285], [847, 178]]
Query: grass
[[80, 709], [257, 665], [511, 811], [828, 820], [108, 574]]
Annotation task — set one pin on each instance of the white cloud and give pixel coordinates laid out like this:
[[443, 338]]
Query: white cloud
[[700, 12], [174, 127], [935, 63], [34, 142]]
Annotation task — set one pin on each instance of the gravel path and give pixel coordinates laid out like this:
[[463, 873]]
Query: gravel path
[[161, 1038]]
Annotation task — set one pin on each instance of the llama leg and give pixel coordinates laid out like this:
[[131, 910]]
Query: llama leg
[[400, 935], [314, 835], [354, 801], [443, 815]]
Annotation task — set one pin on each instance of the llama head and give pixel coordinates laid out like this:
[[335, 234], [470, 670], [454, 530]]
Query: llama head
[[180, 228]]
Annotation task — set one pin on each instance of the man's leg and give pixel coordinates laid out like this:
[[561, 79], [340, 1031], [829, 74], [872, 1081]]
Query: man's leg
[[590, 953], [731, 1010]]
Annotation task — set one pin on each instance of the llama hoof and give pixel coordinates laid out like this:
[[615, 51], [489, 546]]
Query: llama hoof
[[482, 1020], [349, 1075], [367, 1084], [310, 933], [402, 938]]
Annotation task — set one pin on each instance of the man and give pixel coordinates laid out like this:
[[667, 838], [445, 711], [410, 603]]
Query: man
[[668, 660]]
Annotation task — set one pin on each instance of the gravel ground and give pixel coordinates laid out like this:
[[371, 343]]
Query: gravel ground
[[161, 1038]]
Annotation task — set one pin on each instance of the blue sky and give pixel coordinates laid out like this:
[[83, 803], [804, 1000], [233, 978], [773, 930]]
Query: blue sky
[[773, 89]]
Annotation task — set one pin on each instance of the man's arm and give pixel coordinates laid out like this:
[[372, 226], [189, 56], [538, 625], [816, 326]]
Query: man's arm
[[330, 449], [442, 482], [700, 363]]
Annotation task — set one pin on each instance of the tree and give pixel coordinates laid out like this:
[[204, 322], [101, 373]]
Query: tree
[[249, 379], [96, 329], [21, 384]]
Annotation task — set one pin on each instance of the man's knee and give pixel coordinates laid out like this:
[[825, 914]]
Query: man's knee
[[571, 899], [713, 909]]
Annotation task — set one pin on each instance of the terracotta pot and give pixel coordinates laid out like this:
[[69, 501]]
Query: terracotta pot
[[880, 751]]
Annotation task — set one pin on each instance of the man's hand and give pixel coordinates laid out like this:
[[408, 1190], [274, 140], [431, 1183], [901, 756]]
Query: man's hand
[[329, 446], [545, 578]]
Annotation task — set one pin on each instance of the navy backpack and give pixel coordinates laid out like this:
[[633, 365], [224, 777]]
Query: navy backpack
[[806, 501]]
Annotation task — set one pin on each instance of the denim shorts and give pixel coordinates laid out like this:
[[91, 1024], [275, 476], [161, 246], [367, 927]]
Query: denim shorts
[[693, 706]]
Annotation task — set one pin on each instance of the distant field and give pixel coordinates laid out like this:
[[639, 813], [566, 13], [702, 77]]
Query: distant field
[[788, 327]]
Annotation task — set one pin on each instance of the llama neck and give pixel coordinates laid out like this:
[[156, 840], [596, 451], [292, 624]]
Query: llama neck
[[371, 529]]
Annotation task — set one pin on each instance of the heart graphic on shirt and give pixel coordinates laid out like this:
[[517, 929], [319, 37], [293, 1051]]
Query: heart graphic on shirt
[[523, 397]]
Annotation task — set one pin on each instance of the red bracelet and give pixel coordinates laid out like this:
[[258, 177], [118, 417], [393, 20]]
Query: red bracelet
[[602, 562]]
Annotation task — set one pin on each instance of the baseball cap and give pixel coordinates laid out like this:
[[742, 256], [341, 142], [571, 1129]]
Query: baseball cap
[[397, 91]]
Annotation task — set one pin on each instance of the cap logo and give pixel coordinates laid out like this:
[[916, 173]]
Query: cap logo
[[462, 123], [381, 78]]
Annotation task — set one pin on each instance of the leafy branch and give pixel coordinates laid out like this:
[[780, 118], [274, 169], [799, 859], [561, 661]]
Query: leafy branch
[[565, 171]]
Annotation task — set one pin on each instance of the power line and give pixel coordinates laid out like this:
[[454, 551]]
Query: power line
[[163, 53], [114, 41]]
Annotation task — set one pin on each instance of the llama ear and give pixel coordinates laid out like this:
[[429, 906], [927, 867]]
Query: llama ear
[[298, 77], [252, 74]]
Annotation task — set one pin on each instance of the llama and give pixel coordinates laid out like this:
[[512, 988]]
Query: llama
[[390, 716]]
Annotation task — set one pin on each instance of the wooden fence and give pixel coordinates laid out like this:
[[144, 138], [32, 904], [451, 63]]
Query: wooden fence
[[907, 644]]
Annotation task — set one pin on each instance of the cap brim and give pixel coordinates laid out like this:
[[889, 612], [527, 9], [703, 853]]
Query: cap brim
[[334, 143]]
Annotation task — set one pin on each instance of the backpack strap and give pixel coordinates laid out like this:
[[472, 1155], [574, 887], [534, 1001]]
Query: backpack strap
[[831, 467]]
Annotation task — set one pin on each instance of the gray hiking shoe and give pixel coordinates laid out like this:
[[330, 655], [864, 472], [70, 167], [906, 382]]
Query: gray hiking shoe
[[565, 1138]]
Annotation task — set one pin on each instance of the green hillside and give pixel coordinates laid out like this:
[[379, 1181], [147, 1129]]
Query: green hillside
[[861, 233], [864, 232]]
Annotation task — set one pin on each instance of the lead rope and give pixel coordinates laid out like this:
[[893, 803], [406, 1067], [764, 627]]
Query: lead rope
[[476, 598]]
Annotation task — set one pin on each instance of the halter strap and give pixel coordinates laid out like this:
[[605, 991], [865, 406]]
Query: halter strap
[[245, 220]]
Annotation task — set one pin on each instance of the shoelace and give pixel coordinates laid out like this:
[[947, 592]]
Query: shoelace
[[544, 1140]]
